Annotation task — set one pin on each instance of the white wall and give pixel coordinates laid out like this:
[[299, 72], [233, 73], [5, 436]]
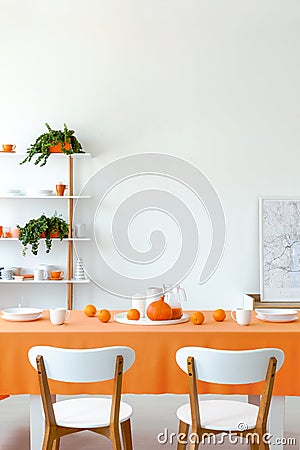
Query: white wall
[[213, 82]]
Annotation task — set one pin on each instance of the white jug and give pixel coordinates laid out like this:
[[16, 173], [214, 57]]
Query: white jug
[[174, 296]]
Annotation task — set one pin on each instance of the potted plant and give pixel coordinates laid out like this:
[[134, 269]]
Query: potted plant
[[42, 227], [53, 141]]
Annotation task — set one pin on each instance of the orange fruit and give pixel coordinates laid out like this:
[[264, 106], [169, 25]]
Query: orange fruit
[[104, 315], [133, 314], [90, 310], [219, 315], [197, 317]]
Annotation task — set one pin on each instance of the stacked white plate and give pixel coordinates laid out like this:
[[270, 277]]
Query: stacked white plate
[[277, 315], [13, 192], [21, 314], [41, 192], [44, 192]]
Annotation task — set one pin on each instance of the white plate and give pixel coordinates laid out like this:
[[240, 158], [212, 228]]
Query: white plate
[[121, 317], [13, 191], [39, 192], [277, 315], [266, 318], [21, 319], [44, 191], [276, 312], [21, 314]]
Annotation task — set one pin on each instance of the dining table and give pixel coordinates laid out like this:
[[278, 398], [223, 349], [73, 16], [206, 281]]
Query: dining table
[[155, 370]]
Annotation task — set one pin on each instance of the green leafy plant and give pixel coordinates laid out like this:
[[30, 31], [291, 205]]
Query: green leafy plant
[[41, 147], [42, 227]]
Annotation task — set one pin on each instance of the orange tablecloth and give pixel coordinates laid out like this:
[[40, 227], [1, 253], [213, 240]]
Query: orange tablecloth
[[155, 370]]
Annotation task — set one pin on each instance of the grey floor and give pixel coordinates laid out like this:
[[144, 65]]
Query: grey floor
[[152, 415]]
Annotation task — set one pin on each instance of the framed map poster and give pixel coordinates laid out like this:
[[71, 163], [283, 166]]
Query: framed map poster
[[280, 250]]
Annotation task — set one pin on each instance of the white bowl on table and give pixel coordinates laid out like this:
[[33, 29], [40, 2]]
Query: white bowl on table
[[276, 315], [21, 314]]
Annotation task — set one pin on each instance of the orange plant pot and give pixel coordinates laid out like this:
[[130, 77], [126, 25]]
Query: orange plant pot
[[58, 147], [54, 234]]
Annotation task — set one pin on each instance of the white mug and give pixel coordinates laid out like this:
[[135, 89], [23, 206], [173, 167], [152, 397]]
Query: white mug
[[46, 270], [138, 302], [58, 316], [38, 274], [17, 270], [242, 316], [80, 230]]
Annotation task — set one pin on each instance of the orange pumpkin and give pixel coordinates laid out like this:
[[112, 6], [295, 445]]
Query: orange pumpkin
[[159, 310]]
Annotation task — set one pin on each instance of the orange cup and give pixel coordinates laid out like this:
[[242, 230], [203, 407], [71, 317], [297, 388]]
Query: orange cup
[[60, 189], [8, 147], [14, 232], [57, 274], [7, 232]]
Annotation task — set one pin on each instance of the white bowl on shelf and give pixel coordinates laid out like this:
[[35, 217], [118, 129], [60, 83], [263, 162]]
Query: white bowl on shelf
[[44, 191], [13, 191]]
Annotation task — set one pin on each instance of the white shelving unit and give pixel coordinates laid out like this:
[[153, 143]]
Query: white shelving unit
[[69, 281], [43, 197], [30, 281], [53, 239]]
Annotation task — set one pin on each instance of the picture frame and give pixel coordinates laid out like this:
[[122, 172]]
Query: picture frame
[[279, 245]]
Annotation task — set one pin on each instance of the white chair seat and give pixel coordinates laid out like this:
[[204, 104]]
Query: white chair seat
[[87, 412], [223, 415]]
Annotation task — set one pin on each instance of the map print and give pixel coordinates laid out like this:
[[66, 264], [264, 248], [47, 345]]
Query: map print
[[281, 249]]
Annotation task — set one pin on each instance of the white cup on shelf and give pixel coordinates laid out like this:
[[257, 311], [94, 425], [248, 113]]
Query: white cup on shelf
[[38, 275], [46, 270], [80, 230], [58, 316], [17, 270]]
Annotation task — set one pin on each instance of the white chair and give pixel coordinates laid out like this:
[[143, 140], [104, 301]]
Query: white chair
[[226, 416], [100, 415]]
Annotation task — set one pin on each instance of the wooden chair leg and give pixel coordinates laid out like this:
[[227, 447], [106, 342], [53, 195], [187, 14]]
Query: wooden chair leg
[[126, 435], [183, 431], [262, 445], [253, 445], [49, 437], [56, 444], [194, 441], [115, 438]]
